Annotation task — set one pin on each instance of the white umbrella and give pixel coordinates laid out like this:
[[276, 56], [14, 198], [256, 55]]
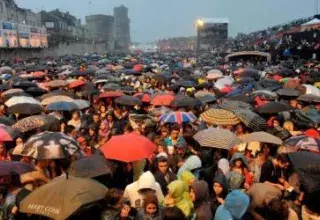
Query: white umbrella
[[82, 104], [20, 100], [57, 98]]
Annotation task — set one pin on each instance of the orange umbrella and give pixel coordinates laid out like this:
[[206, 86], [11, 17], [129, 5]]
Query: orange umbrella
[[162, 100], [76, 83], [111, 94], [138, 67], [144, 97]]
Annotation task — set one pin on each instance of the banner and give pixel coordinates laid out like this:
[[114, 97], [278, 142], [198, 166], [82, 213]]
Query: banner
[[35, 37], [24, 35], [9, 34], [43, 38]]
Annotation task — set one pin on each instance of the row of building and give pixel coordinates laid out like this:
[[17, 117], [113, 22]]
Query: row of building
[[112, 31]]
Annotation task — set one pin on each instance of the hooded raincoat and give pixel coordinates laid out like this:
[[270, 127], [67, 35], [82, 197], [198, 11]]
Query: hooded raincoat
[[201, 204]]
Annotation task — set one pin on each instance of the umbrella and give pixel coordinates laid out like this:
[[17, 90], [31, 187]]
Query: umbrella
[[178, 117], [62, 106], [219, 117], [76, 83], [111, 86], [128, 148], [6, 121], [12, 92], [82, 104], [232, 105], [111, 94], [261, 137], [7, 167], [4, 87], [288, 92], [57, 83], [162, 99], [21, 100], [242, 98], [186, 84], [4, 134], [144, 97], [309, 98], [307, 164], [23, 84], [35, 91], [6, 69], [90, 167], [217, 138], [56, 98], [160, 111], [214, 74], [273, 108], [251, 119], [185, 101], [303, 142], [30, 123], [70, 94], [162, 78], [62, 197], [264, 93], [50, 145], [25, 109], [128, 100], [205, 97]]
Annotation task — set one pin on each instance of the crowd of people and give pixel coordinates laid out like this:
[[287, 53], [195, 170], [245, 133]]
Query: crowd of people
[[155, 136]]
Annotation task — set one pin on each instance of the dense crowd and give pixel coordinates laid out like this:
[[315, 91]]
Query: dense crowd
[[156, 136]]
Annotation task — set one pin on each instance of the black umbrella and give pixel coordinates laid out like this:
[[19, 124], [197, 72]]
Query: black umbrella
[[288, 92], [161, 78], [186, 84], [90, 167], [273, 108], [23, 84], [309, 98], [185, 101], [35, 91], [112, 86], [6, 121], [250, 72], [25, 109], [7, 167], [242, 98], [128, 100], [4, 87]]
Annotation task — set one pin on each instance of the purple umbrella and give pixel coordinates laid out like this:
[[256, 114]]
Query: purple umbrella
[[6, 167]]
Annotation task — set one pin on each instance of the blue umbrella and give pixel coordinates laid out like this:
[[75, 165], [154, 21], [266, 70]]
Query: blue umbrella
[[62, 106], [178, 117]]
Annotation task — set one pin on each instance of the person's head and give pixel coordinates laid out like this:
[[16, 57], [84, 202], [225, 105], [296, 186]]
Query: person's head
[[82, 142], [238, 163], [162, 147], [114, 198], [181, 148], [175, 131], [103, 126], [217, 188], [75, 116], [128, 129], [109, 118], [92, 131], [293, 103], [173, 213], [275, 123], [281, 160], [164, 132], [239, 129], [266, 149], [42, 163], [3, 149], [150, 204], [70, 129], [162, 165], [277, 209], [102, 109], [96, 118]]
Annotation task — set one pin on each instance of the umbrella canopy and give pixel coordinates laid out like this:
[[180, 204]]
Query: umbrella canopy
[[232, 105], [162, 99], [273, 108], [137, 147], [25, 109], [82, 104], [219, 117], [56, 98], [57, 83], [90, 167], [35, 91], [261, 137], [214, 74], [264, 93], [185, 102], [144, 97], [288, 92], [6, 167], [62, 106], [111, 94], [251, 119], [303, 142], [76, 83], [309, 98], [4, 134], [6, 121], [160, 111], [217, 138], [62, 197], [205, 96], [186, 83], [162, 78], [23, 84], [178, 117], [30, 123], [111, 86], [12, 92], [50, 145], [21, 100], [128, 100]]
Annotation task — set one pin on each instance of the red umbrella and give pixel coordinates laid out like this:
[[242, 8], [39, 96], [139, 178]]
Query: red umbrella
[[138, 67], [144, 97], [111, 94], [4, 134], [128, 148], [76, 83], [162, 100]]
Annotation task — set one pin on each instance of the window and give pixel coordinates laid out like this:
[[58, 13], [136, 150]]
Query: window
[[1, 6]]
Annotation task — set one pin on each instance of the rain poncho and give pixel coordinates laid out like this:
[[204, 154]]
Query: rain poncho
[[187, 177], [192, 163], [234, 208], [177, 190], [201, 204]]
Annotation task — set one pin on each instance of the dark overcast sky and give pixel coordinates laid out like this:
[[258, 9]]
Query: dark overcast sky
[[154, 19]]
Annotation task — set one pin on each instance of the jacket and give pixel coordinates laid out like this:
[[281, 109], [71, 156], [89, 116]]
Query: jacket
[[146, 181], [201, 204], [141, 215], [192, 163], [160, 178], [221, 179]]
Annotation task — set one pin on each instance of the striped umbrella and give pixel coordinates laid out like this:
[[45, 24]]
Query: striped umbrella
[[178, 117], [219, 117], [217, 138]]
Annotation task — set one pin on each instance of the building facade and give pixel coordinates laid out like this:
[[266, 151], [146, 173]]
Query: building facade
[[122, 28], [100, 29]]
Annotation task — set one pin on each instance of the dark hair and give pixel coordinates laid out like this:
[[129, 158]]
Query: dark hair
[[150, 198], [113, 196], [15, 179], [283, 158], [277, 209], [69, 129], [64, 164], [3, 190], [175, 127], [173, 213]]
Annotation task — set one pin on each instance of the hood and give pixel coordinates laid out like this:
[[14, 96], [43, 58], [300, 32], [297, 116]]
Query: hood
[[235, 206], [207, 158], [147, 181], [177, 189], [192, 163], [201, 190], [238, 156], [220, 178], [186, 176], [224, 166]]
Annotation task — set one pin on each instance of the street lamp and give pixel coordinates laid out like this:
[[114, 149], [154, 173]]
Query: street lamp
[[199, 26]]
